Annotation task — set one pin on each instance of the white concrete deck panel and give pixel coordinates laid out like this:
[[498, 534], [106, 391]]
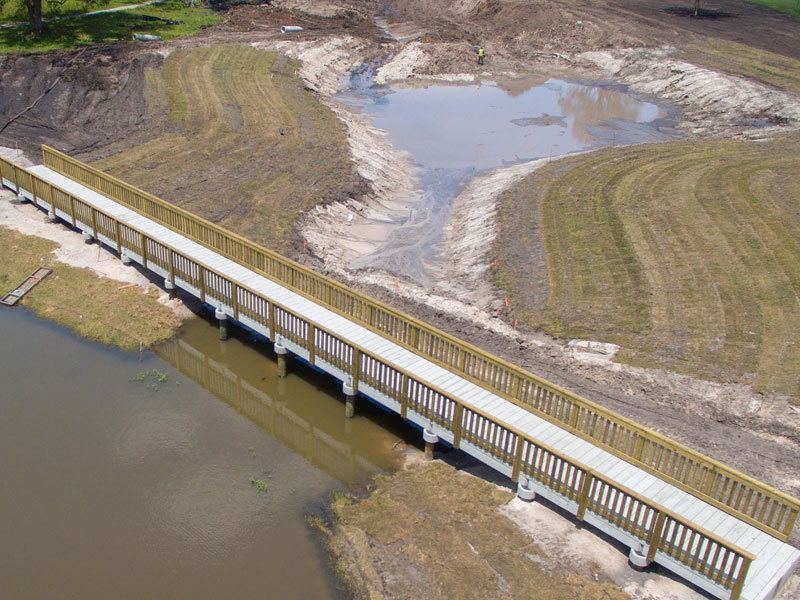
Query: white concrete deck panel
[[774, 559]]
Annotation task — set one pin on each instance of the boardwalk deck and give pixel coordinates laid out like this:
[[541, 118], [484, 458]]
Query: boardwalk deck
[[485, 420]]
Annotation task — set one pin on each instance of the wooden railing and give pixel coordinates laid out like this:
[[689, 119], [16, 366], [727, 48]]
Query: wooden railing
[[661, 530], [759, 504]]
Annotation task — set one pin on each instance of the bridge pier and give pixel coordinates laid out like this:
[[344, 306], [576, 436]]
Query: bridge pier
[[638, 557], [349, 399], [88, 237], [173, 293], [281, 351], [431, 439], [52, 217], [126, 260], [524, 491], [223, 321]]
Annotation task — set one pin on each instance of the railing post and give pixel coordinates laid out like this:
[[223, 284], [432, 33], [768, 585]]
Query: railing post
[[272, 321], [171, 256], [202, 273], [404, 399], [583, 495], [72, 209], [655, 536], [787, 530], [33, 190], [457, 418], [356, 367], [118, 234], [311, 343], [143, 243], [94, 223], [517, 459], [740, 579]]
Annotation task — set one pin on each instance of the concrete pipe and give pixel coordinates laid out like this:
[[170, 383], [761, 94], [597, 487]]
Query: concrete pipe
[[290, 29]]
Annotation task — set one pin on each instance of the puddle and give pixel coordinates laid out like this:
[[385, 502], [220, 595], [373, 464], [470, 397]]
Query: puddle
[[455, 132]]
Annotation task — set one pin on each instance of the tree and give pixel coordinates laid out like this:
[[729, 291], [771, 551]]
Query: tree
[[34, 15]]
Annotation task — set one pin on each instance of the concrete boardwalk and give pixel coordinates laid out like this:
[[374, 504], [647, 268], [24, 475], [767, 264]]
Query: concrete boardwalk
[[774, 560]]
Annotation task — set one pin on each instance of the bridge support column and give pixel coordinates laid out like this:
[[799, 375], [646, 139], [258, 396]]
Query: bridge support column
[[349, 399], [88, 237], [638, 557], [524, 491], [17, 198], [281, 351], [52, 216], [223, 323], [126, 260], [431, 439], [173, 293]]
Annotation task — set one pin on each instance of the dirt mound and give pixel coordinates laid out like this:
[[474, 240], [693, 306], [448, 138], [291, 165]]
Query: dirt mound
[[74, 100]]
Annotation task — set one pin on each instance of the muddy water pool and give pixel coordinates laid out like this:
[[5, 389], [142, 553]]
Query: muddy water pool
[[455, 132], [129, 478]]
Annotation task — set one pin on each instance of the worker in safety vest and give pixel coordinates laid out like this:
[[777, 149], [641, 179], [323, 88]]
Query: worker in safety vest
[[481, 54]]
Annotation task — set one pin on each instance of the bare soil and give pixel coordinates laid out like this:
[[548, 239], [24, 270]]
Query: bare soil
[[97, 97]]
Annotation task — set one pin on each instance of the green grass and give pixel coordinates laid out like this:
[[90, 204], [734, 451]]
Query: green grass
[[96, 308], [790, 7], [14, 11], [169, 20], [687, 254]]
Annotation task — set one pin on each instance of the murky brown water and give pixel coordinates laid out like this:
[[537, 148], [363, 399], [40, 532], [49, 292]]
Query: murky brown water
[[455, 132], [116, 485]]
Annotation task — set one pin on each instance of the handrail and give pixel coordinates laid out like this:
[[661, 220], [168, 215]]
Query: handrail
[[662, 530], [754, 502]]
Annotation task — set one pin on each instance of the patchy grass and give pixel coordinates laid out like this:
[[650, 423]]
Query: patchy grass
[[774, 69], [169, 20], [687, 254], [436, 533], [95, 308], [234, 137]]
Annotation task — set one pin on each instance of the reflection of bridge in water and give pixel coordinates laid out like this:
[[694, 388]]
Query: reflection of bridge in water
[[717, 528], [334, 456]]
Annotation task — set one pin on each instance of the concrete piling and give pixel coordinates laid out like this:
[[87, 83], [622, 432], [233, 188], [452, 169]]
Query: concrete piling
[[349, 399], [638, 557], [281, 351], [525, 491], [431, 439], [223, 324], [126, 260], [88, 237], [173, 293], [52, 217]]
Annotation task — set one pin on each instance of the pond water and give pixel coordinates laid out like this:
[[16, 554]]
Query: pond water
[[129, 478], [455, 132]]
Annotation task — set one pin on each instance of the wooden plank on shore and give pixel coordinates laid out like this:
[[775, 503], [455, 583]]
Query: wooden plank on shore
[[14, 296]]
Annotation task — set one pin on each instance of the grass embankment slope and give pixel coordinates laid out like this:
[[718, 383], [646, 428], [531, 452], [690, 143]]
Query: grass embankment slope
[[98, 309], [234, 137], [169, 20], [433, 532], [686, 254]]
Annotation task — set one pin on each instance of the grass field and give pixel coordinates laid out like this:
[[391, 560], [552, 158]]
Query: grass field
[[773, 69], [97, 309], [234, 137], [790, 7], [687, 254], [170, 20]]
